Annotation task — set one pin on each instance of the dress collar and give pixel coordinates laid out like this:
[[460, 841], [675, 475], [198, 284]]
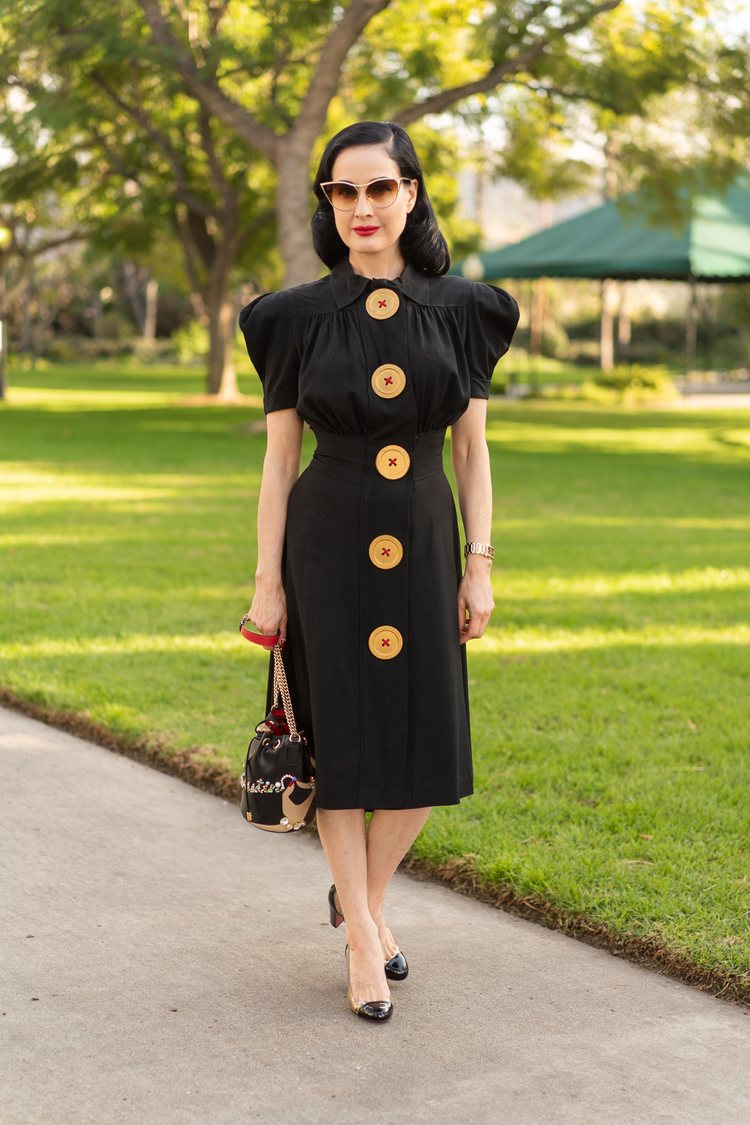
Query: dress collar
[[348, 285]]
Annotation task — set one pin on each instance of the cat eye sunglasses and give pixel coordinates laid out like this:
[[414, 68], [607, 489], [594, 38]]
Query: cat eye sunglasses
[[381, 192]]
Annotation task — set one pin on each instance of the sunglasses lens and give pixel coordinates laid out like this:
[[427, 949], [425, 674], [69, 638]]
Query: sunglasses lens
[[342, 195], [383, 192]]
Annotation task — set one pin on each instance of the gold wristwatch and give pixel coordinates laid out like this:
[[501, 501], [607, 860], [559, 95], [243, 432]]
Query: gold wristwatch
[[474, 548]]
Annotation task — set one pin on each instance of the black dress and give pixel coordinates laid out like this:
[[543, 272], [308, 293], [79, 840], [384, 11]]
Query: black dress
[[372, 558]]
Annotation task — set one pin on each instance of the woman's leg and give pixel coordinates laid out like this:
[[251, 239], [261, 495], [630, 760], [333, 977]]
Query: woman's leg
[[342, 834], [390, 834]]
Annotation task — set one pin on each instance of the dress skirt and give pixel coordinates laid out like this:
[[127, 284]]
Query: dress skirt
[[378, 679]]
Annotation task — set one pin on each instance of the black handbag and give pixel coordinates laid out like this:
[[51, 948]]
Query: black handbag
[[278, 781]]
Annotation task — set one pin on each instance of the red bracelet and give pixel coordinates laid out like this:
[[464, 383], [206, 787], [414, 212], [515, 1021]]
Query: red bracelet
[[267, 640]]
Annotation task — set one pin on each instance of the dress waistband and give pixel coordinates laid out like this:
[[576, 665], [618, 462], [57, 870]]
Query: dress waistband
[[351, 455]]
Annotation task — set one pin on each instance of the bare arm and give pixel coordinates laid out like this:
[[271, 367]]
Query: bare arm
[[470, 459], [280, 471]]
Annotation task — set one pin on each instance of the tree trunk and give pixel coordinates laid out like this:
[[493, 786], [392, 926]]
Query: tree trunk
[[293, 210], [222, 377], [152, 297], [3, 342], [480, 194], [539, 304], [96, 314], [24, 344], [130, 274], [214, 252]]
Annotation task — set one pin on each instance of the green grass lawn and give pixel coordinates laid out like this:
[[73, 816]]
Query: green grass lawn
[[610, 696]]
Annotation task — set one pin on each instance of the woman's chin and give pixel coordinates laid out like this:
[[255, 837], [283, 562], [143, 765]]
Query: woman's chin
[[372, 244]]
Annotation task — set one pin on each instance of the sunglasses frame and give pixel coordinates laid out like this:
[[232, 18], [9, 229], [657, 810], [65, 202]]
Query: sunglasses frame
[[398, 180]]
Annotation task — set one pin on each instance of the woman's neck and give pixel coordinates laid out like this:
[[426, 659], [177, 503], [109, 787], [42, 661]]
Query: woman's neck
[[390, 264]]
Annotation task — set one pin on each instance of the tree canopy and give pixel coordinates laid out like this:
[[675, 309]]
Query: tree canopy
[[199, 127]]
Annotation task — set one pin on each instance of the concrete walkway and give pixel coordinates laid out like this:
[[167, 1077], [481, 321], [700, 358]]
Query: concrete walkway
[[163, 962]]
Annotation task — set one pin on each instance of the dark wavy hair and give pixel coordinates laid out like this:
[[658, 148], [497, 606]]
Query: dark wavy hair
[[422, 242]]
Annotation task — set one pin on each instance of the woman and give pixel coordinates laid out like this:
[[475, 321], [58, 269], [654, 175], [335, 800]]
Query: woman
[[359, 561]]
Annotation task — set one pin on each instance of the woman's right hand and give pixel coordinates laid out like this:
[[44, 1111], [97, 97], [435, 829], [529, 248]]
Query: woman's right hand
[[268, 611]]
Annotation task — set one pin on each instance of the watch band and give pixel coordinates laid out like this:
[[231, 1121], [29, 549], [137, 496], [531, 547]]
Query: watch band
[[474, 548]]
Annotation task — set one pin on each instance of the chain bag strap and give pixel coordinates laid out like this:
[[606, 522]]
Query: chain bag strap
[[281, 691]]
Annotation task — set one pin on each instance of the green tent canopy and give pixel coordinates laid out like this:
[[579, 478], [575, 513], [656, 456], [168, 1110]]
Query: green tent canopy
[[609, 242]]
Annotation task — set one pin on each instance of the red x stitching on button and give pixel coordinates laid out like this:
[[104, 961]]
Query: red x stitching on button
[[388, 379], [382, 304], [391, 460], [385, 641]]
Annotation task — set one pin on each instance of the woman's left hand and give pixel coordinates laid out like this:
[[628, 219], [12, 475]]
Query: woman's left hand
[[474, 598]]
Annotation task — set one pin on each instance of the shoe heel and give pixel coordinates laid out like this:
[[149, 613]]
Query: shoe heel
[[336, 916]]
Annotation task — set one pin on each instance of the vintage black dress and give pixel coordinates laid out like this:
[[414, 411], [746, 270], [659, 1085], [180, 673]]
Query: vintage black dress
[[372, 558]]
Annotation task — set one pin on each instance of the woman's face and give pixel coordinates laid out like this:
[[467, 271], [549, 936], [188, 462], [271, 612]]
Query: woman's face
[[368, 228]]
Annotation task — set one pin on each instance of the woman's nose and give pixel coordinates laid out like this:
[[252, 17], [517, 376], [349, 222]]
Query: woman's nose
[[364, 207]]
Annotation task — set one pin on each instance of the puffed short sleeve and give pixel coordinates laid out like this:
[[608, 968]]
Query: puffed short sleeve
[[492, 319], [266, 324]]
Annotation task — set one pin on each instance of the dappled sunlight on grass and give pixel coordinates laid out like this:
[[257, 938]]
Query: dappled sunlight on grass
[[680, 415], [131, 643], [83, 401], [643, 523], [23, 486], [719, 445], [603, 585], [70, 490], [58, 379], [520, 641]]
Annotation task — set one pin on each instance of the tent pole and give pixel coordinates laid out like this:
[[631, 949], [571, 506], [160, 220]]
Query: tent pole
[[606, 335], [691, 327], [624, 329], [536, 328], [538, 311]]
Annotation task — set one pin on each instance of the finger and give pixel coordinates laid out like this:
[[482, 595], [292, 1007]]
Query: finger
[[461, 613], [478, 625], [484, 622]]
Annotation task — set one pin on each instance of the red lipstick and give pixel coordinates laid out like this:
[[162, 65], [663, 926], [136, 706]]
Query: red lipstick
[[365, 230]]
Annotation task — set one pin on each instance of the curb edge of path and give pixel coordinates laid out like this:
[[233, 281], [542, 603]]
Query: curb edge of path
[[217, 778]]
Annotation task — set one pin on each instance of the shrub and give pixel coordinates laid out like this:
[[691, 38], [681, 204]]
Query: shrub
[[555, 341], [191, 342], [70, 349], [622, 384], [636, 376], [153, 351]]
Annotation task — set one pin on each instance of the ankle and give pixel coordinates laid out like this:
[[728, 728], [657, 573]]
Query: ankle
[[360, 931], [377, 912]]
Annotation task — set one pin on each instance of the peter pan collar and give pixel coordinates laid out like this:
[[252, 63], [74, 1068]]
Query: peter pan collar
[[348, 285]]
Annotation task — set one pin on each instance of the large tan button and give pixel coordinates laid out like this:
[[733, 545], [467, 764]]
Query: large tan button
[[388, 380], [382, 303], [392, 462], [385, 642], [386, 551]]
